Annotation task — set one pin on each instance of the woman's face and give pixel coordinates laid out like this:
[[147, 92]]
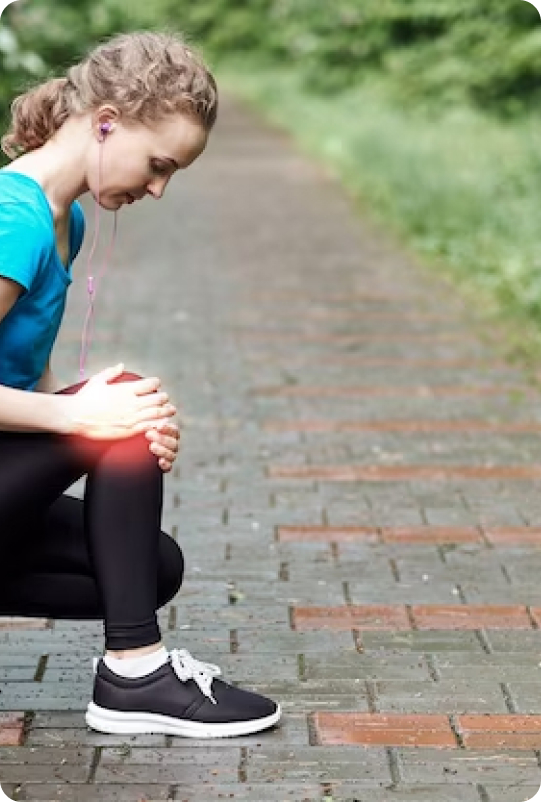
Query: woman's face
[[137, 159]]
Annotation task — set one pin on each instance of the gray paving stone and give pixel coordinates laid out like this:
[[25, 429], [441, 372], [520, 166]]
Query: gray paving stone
[[458, 767], [347, 792], [433, 591], [421, 641], [526, 696], [77, 792], [498, 667], [362, 666], [17, 673], [80, 734], [23, 764], [318, 763], [510, 793], [518, 641], [283, 642], [474, 696]]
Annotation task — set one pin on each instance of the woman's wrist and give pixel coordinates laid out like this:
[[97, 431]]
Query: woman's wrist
[[65, 415]]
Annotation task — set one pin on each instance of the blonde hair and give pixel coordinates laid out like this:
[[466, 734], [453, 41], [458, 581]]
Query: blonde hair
[[146, 75]]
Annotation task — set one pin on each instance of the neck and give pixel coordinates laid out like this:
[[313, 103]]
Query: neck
[[59, 167]]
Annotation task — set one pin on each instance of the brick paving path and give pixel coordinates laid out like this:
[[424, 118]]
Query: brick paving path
[[357, 499]]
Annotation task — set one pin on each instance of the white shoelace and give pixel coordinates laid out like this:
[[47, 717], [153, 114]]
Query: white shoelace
[[187, 667]]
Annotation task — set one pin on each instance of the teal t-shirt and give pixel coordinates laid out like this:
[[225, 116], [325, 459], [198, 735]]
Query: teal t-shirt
[[29, 256]]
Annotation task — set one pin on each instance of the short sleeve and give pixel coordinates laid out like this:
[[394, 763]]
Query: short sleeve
[[24, 242]]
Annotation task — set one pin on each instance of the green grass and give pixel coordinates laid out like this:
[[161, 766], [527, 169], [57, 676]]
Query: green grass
[[460, 189]]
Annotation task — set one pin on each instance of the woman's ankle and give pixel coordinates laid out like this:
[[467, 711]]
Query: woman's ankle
[[121, 654]]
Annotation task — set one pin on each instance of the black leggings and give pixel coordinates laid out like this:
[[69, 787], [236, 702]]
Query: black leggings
[[104, 557]]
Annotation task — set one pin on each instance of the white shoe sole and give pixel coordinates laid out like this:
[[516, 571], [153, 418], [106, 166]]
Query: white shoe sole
[[116, 722]]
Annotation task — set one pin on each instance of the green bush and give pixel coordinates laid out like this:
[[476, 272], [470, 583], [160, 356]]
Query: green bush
[[437, 51]]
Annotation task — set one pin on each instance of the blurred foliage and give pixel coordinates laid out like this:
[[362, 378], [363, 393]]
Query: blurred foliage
[[40, 38], [434, 51]]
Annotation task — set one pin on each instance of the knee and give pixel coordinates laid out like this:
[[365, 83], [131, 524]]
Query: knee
[[170, 569], [126, 376]]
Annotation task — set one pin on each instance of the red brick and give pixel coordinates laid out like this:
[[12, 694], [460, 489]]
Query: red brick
[[369, 314], [11, 736], [387, 391], [335, 729], [404, 473], [349, 339], [493, 722], [285, 314], [11, 729], [328, 534], [309, 299], [431, 534], [15, 622], [402, 426], [471, 616], [514, 535], [363, 617], [493, 731], [400, 362], [370, 534]]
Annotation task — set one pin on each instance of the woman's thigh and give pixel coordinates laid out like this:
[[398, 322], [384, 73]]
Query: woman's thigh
[[37, 467], [52, 541], [55, 543]]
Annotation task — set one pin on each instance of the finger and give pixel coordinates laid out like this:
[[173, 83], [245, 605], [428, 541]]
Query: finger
[[168, 428], [144, 386], [163, 455], [146, 420], [153, 414], [170, 443], [162, 451], [151, 400]]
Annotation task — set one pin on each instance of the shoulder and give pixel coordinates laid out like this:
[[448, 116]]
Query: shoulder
[[26, 223], [22, 210]]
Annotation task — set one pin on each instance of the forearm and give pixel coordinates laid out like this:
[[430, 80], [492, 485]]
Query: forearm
[[24, 411]]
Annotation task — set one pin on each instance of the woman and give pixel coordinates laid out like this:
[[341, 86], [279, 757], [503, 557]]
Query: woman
[[138, 108]]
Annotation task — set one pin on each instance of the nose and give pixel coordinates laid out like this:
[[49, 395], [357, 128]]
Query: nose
[[157, 188]]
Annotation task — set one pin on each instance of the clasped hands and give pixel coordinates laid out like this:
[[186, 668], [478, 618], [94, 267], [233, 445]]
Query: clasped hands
[[105, 409], [164, 441]]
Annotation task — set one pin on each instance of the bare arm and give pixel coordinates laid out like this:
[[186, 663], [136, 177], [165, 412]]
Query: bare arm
[[23, 411]]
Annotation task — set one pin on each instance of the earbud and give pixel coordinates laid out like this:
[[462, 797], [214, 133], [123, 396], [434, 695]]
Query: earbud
[[104, 129]]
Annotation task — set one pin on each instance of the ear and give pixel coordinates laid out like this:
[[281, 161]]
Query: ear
[[103, 121]]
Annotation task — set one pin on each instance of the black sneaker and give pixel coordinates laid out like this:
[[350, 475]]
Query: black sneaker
[[182, 697]]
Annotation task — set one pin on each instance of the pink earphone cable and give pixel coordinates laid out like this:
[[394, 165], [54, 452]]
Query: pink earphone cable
[[91, 287]]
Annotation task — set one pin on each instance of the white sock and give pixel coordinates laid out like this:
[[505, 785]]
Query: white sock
[[132, 667]]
